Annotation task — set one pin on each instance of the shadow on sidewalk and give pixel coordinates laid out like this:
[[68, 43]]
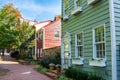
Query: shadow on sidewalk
[[6, 59]]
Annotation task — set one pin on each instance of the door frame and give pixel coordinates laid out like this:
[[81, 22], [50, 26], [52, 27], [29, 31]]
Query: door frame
[[66, 36]]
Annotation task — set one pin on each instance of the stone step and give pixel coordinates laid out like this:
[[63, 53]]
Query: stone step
[[54, 71], [50, 74], [53, 74]]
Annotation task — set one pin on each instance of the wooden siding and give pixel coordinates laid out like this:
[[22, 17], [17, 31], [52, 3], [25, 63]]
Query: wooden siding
[[90, 17], [117, 28], [49, 38]]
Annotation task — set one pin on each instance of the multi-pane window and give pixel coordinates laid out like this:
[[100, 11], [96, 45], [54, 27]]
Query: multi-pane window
[[79, 45], [77, 3], [99, 42], [66, 7], [57, 34]]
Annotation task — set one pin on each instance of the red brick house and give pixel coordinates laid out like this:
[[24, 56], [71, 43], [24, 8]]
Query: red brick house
[[48, 35]]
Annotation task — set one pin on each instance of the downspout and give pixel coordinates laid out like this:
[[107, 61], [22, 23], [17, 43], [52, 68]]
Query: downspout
[[113, 40]]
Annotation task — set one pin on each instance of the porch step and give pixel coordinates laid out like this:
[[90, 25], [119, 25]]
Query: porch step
[[55, 72], [52, 75]]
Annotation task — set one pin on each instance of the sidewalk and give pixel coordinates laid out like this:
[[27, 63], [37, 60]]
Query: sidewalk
[[20, 72]]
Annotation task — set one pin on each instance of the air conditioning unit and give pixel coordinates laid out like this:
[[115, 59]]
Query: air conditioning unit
[[90, 2]]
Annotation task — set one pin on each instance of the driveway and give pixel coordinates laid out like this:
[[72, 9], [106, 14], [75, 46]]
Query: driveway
[[20, 72]]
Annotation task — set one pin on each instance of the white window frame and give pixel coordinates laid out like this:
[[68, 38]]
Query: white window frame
[[94, 43], [77, 8], [76, 50]]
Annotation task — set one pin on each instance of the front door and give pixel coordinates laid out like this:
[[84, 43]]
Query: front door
[[66, 52]]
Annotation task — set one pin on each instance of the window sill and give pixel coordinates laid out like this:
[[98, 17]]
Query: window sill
[[91, 2], [77, 61], [98, 62], [76, 10], [65, 17]]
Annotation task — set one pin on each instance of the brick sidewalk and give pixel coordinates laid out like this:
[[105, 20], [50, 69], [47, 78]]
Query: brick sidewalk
[[20, 72]]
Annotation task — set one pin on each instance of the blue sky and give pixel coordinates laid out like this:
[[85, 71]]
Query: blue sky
[[40, 10]]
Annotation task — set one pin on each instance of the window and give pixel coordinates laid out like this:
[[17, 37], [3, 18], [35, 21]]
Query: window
[[79, 45], [77, 7], [56, 34], [99, 42], [77, 3], [65, 9]]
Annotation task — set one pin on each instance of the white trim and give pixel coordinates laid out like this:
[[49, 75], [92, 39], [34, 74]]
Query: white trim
[[94, 48], [35, 46], [62, 51], [98, 62], [76, 51], [43, 38], [77, 61], [75, 45], [90, 2], [77, 8], [113, 40]]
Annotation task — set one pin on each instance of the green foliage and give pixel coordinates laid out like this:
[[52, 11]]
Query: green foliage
[[94, 76], [47, 59], [41, 68], [25, 34], [79, 2], [13, 33], [77, 74], [8, 20], [63, 78]]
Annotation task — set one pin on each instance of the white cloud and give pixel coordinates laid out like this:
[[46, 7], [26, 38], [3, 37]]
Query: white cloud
[[30, 9]]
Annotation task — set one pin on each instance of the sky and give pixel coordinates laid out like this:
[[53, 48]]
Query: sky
[[39, 10]]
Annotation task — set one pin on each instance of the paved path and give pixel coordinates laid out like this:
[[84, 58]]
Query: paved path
[[20, 72]]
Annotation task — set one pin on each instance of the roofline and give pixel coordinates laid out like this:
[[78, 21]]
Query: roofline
[[51, 23], [42, 22]]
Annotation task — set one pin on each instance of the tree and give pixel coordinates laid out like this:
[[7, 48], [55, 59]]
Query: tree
[[13, 33], [8, 20], [25, 32]]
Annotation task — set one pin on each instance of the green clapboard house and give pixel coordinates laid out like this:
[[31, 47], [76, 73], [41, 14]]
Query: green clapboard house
[[91, 36]]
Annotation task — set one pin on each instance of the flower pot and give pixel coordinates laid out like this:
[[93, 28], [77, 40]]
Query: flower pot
[[51, 66], [58, 68]]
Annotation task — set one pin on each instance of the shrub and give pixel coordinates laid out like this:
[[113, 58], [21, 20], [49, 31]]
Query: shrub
[[76, 74], [94, 76], [63, 78], [47, 59], [41, 68], [15, 54]]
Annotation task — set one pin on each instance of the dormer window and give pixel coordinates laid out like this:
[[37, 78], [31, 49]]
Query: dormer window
[[77, 7]]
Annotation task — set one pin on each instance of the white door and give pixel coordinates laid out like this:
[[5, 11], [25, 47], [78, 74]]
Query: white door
[[66, 52]]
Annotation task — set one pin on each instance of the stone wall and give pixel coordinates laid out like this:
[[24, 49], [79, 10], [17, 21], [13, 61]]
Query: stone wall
[[51, 51]]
